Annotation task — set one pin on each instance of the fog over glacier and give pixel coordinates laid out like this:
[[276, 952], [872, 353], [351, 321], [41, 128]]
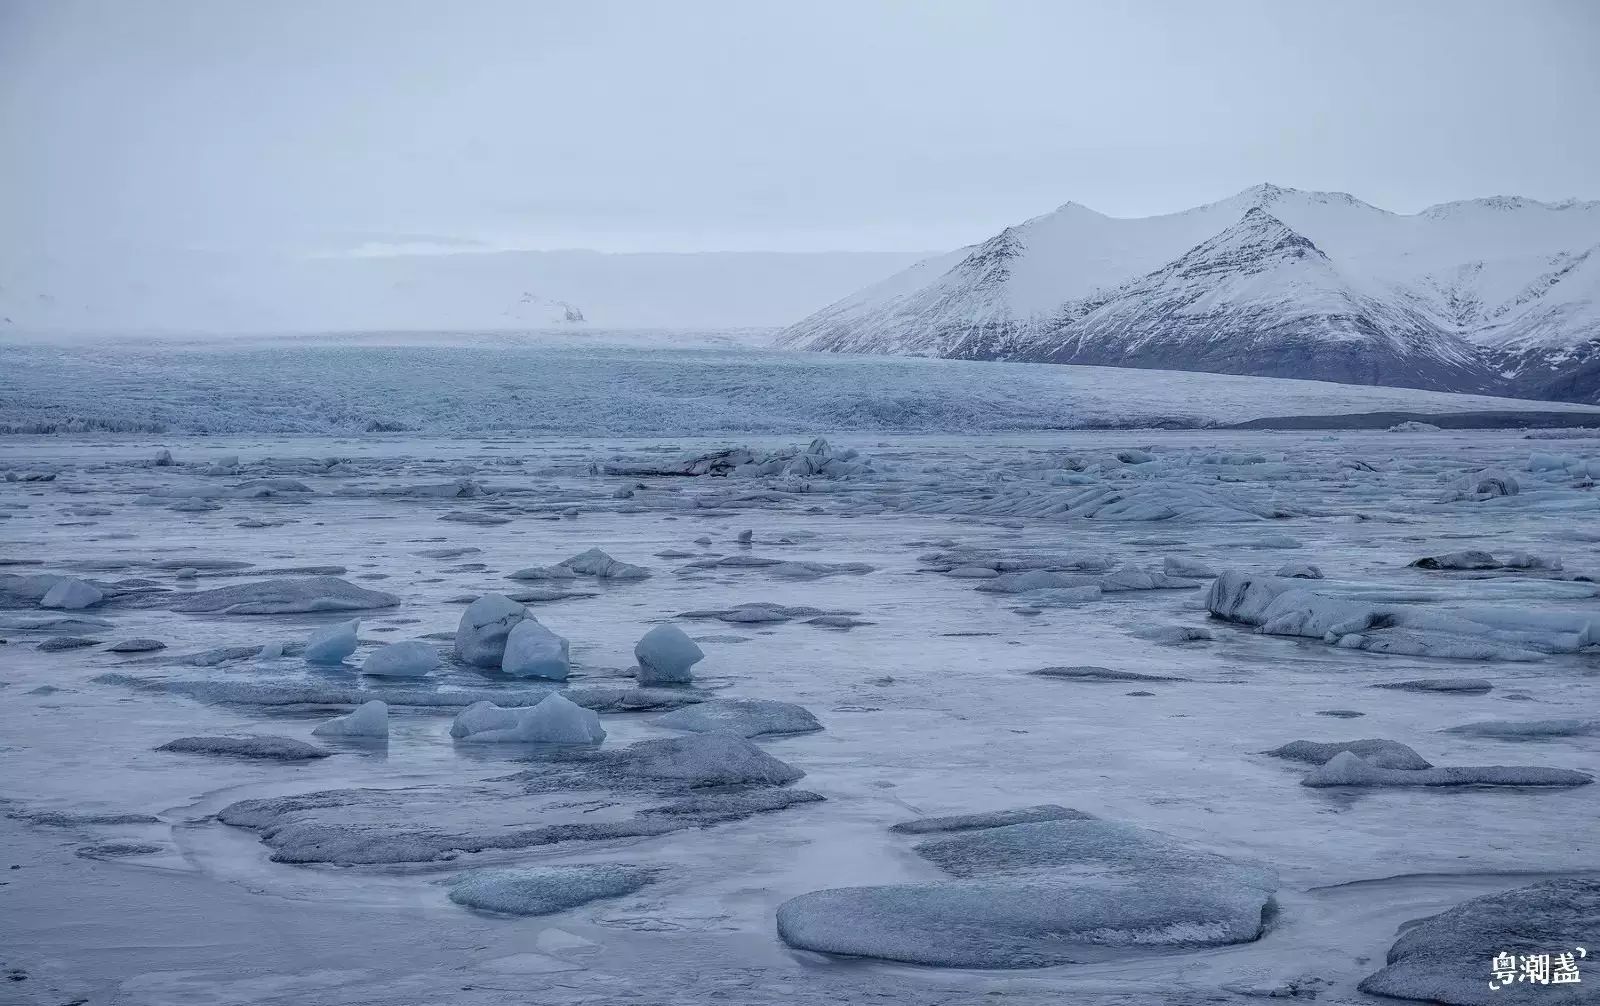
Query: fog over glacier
[[615, 502]]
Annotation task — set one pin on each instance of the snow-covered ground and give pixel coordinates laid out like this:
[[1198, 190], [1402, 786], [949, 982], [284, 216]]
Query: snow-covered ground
[[620, 384], [902, 595]]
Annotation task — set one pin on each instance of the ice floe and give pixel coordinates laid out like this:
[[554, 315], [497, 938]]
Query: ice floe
[[1466, 686], [708, 760], [1449, 957], [757, 612], [989, 819], [744, 717], [1473, 559], [545, 890], [1350, 769], [1288, 608], [598, 564], [285, 596], [57, 644], [1382, 753], [140, 644], [542, 573], [818, 458], [704, 779], [1090, 672], [1527, 729], [1039, 894], [252, 746]]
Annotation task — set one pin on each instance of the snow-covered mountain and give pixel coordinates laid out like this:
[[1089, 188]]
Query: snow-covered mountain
[[1499, 294]]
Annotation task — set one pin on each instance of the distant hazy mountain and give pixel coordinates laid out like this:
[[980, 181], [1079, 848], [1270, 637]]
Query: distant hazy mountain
[[1499, 294], [468, 290]]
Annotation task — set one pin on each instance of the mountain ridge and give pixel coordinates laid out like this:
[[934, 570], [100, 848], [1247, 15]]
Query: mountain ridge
[[1500, 294]]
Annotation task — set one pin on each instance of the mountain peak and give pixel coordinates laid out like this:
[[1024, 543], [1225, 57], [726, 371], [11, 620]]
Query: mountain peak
[[1265, 192], [1268, 194], [1256, 242]]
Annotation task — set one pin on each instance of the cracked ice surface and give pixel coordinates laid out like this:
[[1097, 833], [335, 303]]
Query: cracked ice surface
[[932, 706]]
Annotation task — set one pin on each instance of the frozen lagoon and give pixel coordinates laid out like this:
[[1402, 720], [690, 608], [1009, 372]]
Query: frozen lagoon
[[928, 709]]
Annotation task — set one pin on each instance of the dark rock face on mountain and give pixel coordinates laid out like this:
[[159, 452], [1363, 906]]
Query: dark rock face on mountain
[[1499, 296]]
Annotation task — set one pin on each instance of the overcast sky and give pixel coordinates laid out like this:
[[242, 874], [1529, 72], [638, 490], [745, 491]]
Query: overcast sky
[[758, 124]]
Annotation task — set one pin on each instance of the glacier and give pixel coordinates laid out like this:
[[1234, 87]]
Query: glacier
[[433, 385]]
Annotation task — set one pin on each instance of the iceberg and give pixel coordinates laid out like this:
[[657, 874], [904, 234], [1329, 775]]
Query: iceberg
[[483, 629], [411, 658], [332, 645], [72, 594], [666, 656], [555, 720], [533, 651], [598, 564], [368, 720]]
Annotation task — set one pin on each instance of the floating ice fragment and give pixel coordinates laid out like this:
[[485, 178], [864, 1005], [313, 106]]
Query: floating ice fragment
[[1471, 686], [1527, 729], [484, 626], [533, 651], [1300, 571], [1178, 566], [745, 717], [332, 645], [1382, 753], [710, 759], [72, 594], [474, 517], [597, 563], [369, 720], [554, 720], [1039, 894], [411, 658], [543, 573], [1092, 673], [57, 644], [285, 596], [1448, 958], [1350, 769], [666, 655], [989, 819], [545, 890], [139, 645], [252, 746]]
